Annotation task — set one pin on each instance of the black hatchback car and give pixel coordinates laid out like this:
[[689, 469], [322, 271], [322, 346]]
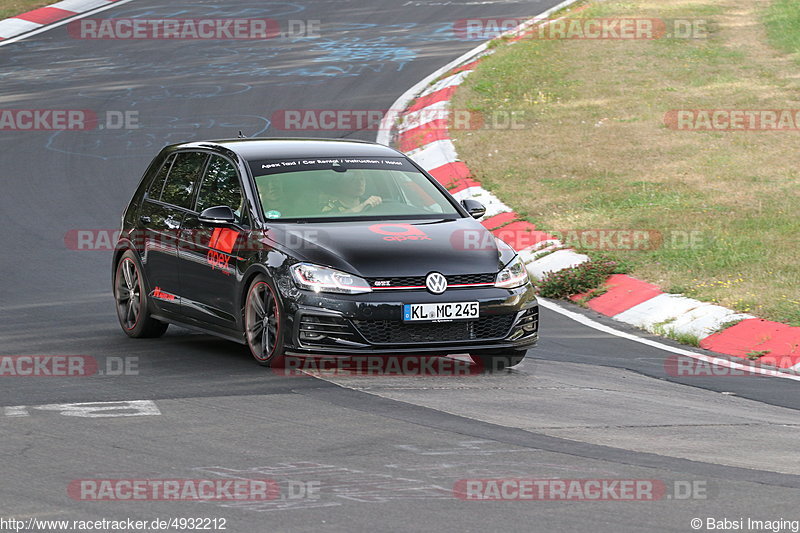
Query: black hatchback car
[[317, 247]]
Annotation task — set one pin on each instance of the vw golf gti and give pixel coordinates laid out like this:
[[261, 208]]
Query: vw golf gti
[[307, 246]]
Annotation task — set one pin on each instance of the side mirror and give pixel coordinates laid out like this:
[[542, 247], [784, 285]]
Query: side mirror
[[474, 208], [217, 216]]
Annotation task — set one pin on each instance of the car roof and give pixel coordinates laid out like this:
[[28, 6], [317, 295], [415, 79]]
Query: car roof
[[279, 148]]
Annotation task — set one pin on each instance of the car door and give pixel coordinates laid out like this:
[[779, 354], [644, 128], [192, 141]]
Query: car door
[[208, 253], [165, 204]]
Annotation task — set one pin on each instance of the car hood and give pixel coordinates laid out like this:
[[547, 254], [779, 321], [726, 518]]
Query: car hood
[[394, 248]]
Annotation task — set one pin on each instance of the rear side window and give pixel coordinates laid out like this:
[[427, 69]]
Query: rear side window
[[154, 192], [220, 186], [183, 178]]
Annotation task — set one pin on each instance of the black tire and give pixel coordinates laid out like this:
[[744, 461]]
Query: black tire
[[263, 322], [130, 296], [492, 362]]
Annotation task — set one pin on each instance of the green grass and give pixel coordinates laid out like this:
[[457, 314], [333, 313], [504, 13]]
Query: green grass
[[595, 153], [683, 338], [782, 19], [9, 8], [756, 355], [729, 324]]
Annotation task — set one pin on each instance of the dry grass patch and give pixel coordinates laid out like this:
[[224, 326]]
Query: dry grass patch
[[595, 152]]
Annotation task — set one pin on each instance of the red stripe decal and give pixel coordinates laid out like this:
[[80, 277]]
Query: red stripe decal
[[400, 287], [214, 238], [226, 240]]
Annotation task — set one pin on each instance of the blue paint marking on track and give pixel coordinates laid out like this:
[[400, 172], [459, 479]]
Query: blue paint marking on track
[[345, 49], [344, 55]]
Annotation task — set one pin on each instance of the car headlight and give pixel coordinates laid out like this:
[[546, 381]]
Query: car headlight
[[513, 275], [323, 279]]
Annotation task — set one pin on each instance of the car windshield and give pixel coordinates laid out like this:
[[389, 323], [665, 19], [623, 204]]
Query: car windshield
[[320, 188]]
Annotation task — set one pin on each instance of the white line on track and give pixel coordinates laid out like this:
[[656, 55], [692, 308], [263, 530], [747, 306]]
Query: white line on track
[[586, 321], [90, 409]]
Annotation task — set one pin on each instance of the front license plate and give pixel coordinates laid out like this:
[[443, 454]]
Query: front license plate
[[445, 311]]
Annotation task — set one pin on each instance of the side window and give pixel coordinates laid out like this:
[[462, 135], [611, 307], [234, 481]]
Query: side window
[[154, 192], [182, 178], [221, 187]]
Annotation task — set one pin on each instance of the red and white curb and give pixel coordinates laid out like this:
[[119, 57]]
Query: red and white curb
[[417, 125], [38, 20]]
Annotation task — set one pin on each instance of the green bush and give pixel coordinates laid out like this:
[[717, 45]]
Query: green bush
[[575, 280]]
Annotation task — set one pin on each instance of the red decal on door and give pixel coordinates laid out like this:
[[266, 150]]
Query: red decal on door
[[218, 261], [222, 242], [161, 295], [223, 239]]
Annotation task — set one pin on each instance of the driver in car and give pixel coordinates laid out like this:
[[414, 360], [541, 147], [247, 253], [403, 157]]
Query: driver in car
[[348, 196]]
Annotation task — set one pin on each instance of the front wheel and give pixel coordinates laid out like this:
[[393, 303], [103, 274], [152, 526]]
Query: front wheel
[[131, 299], [497, 361], [263, 322]]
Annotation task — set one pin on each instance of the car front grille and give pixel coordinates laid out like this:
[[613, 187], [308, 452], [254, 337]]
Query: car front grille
[[398, 332], [419, 281]]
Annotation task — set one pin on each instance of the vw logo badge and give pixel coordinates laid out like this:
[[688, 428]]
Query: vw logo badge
[[436, 283]]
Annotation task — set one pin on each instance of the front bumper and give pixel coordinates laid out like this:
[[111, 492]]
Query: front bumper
[[372, 323]]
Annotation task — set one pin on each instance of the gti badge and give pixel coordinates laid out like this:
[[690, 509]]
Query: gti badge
[[436, 283]]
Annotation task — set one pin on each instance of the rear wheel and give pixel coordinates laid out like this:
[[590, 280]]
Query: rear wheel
[[131, 299], [263, 322], [498, 361]]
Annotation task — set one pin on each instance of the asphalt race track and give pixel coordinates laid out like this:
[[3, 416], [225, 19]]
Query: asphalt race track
[[385, 453]]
